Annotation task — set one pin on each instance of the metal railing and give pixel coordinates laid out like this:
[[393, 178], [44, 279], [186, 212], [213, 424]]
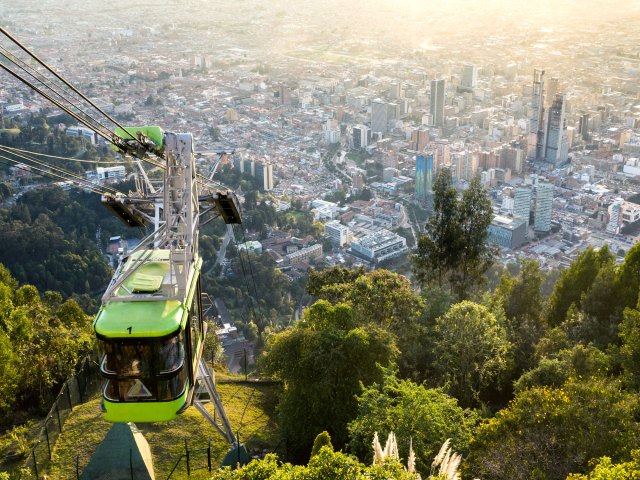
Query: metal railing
[[75, 391], [193, 458]]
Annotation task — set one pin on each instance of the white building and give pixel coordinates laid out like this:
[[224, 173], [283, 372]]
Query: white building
[[252, 246], [544, 202], [304, 254], [338, 233], [80, 131], [522, 202], [323, 210], [379, 246], [107, 174]]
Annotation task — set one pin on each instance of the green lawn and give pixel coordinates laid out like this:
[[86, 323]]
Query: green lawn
[[250, 408]]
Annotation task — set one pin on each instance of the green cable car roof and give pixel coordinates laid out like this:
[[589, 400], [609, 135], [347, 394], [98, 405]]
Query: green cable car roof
[[146, 319], [151, 317]]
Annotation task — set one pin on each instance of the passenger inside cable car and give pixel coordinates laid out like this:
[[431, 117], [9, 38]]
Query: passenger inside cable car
[[151, 369]]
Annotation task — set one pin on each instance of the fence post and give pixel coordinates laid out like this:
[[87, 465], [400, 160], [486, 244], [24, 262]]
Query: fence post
[[209, 453], [35, 463], [46, 433], [187, 451], [69, 395], [80, 374], [58, 414], [77, 467]]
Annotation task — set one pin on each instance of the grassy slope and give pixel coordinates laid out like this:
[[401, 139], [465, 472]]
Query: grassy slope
[[85, 429]]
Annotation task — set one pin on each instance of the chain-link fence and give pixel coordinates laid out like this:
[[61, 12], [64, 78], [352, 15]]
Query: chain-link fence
[[78, 389]]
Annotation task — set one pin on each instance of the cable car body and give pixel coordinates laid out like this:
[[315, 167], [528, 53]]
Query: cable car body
[[151, 326], [151, 346]]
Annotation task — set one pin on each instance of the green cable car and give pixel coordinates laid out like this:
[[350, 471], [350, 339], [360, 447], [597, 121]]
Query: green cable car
[[152, 343], [151, 325]]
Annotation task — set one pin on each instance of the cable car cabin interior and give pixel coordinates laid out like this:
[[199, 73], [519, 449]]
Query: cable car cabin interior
[[151, 345]]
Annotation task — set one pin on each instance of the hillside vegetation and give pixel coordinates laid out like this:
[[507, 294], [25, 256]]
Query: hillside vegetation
[[250, 408]]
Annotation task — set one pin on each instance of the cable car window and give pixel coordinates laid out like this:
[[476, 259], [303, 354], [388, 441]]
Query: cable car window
[[144, 369], [170, 355], [125, 358]]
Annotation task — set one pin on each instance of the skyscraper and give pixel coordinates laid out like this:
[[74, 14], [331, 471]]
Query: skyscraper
[[522, 202], [556, 143], [379, 116], [424, 174], [544, 201], [467, 164], [419, 139], [361, 136], [552, 90], [583, 127], [536, 122], [469, 77], [437, 102], [264, 175], [614, 216]]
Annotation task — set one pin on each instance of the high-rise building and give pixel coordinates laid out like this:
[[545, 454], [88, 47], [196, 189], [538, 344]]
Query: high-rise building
[[357, 179], [467, 162], [522, 202], [419, 139], [556, 143], [249, 167], [337, 233], [511, 157], [379, 116], [614, 216], [536, 122], [544, 202], [361, 136], [284, 95], [552, 90], [469, 77], [583, 127], [394, 90], [264, 175], [437, 102], [424, 174], [238, 163]]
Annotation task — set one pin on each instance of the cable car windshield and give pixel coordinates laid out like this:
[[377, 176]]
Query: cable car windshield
[[144, 369]]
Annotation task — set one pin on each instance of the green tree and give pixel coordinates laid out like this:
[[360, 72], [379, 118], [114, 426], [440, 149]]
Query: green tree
[[323, 360], [476, 255], [630, 348], [319, 279], [574, 281], [37, 351], [322, 440], [550, 432], [602, 310], [454, 250], [439, 248], [326, 464], [629, 278], [412, 411], [605, 469], [471, 351], [385, 299], [578, 362], [522, 302]]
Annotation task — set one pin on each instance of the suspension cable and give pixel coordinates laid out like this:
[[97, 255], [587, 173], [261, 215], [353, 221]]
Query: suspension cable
[[45, 173], [79, 160], [35, 57], [56, 90], [62, 172]]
